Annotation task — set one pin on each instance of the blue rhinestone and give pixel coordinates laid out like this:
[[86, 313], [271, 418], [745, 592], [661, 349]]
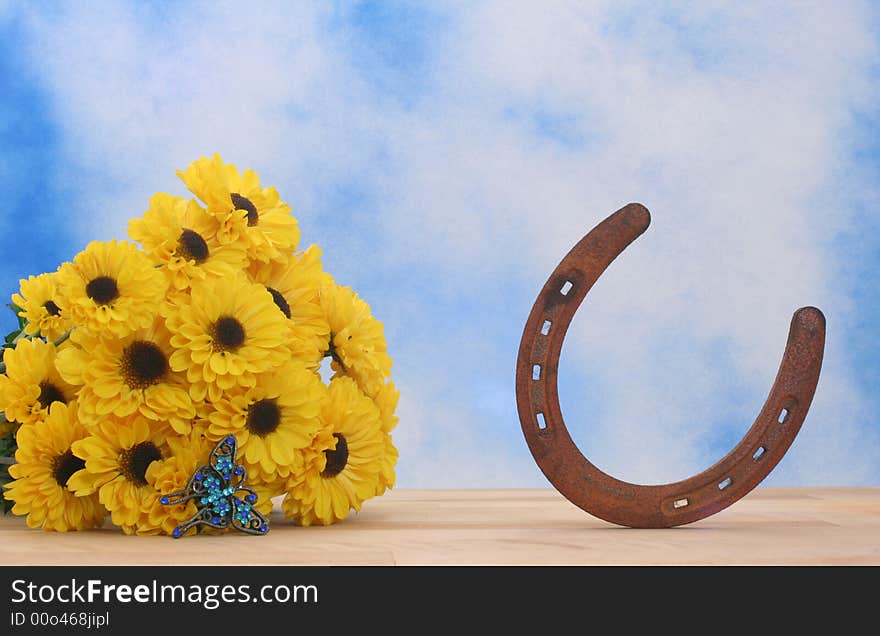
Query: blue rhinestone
[[199, 476], [215, 521], [251, 498], [164, 501], [230, 439], [176, 533], [264, 528], [239, 470]]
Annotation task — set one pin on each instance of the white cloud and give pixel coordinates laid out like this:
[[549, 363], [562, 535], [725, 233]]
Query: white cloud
[[728, 123]]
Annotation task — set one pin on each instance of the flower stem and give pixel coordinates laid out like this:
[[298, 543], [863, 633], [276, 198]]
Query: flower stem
[[63, 337]]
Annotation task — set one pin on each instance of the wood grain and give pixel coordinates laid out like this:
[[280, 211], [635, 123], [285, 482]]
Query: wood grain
[[771, 526]]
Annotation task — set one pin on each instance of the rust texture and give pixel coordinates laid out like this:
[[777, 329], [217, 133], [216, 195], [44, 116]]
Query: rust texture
[[600, 494]]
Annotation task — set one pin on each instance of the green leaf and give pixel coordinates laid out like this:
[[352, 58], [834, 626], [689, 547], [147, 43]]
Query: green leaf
[[5, 479], [9, 340], [22, 321], [8, 447]]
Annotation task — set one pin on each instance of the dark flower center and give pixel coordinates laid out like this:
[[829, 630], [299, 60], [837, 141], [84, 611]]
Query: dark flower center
[[135, 461], [337, 458], [102, 290], [243, 203], [192, 247], [263, 417], [143, 364], [228, 334], [64, 467], [281, 301], [50, 393], [51, 308]]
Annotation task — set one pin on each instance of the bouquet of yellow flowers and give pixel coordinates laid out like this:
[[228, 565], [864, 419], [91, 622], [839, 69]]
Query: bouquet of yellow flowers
[[132, 362]]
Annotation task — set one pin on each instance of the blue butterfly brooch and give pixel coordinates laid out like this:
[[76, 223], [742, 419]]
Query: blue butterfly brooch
[[220, 495]]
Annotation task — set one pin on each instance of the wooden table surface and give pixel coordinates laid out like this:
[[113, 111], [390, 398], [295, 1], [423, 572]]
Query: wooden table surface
[[773, 526]]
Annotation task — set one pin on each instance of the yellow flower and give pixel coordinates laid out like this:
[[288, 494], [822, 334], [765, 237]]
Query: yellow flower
[[294, 285], [38, 302], [129, 375], [271, 421], [182, 237], [43, 468], [111, 288], [117, 457], [357, 340], [32, 382], [247, 212], [227, 334], [348, 471]]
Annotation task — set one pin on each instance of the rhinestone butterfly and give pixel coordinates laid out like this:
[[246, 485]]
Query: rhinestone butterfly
[[216, 490]]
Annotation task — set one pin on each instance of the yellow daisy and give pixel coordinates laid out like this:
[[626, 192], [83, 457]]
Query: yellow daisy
[[117, 457], [357, 340], [182, 236], [44, 465], [128, 375], [227, 334], [32, 382], [271, 420], [111, 288], [247, 212], [348, 471], [294, 285], [38, 304]]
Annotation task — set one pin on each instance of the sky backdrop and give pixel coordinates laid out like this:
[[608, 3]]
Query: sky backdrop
[[445, 156]]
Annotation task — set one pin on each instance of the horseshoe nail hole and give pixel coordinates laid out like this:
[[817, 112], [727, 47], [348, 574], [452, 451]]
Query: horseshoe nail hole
[[542, 423], [783, 416], [566, 288], [759, 453], [536, 372], [545, 328], [680, 503], [725, 483]]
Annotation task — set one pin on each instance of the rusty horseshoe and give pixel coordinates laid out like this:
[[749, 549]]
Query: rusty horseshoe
[[620, 502]]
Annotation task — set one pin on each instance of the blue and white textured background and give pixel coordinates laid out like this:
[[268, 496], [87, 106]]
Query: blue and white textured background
[[446, 158]]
